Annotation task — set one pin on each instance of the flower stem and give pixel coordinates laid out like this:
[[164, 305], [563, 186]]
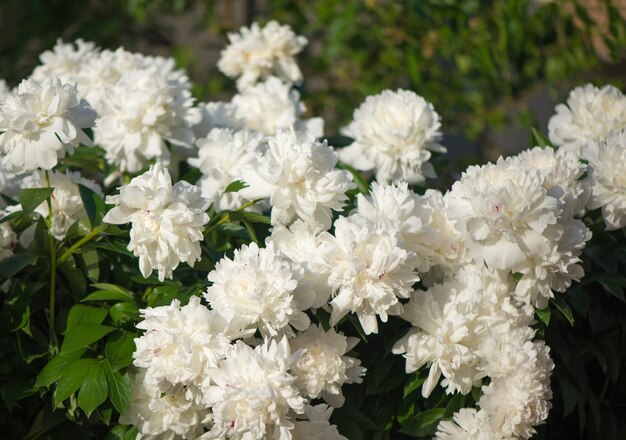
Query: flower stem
[[68, 253], [53, 265]]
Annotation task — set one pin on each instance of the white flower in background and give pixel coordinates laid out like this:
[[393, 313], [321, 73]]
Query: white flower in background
[[271, 105], [216, 114], [323, 366], [258, 52], [158, 415], [467, 423], [504, 213], [255, 394], [167, 221], [299, 242], [316, 427], [590, 115], [65, 60], [9, 185], [607, 177], [562, 172], [67, 205], [222, 156], [8, 238], [394, 134], [298, 174], [5, 91], [180, 343], [367, 270], [41, 123], [145, 109], [452, 319], [256, 289]]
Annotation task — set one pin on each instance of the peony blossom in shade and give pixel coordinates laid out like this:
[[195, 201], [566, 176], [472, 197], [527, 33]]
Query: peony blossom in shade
[[590, 114], [146, 109], [179, 344], [607, 177], [323, 367], [316, 427], [255, 394], [258, 52], [256, 289], [297, 173], [42, 122], [467, 423], [67, 205], [273, 104], [221, 157], [367, 270], [394, 135], [164, 415], [65, 60], [167, 221]]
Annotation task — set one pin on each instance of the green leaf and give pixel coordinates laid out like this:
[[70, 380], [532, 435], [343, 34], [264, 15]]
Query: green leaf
[[82, 314], [565, 309], [419, 378], [91, 263], [122, 312], [72, 378], [255, 217], [108, 295], [236, 186], [12, 264], [543, 315], [119, 350], [94, 205], [423, 424], [119, 388], [31, 198], [94, 389], [54, 369], [113, 288], [83, 335], [539, 139]]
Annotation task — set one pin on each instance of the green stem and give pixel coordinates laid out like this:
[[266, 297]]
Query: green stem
[[68, 253], [221, 221], [53, 264]]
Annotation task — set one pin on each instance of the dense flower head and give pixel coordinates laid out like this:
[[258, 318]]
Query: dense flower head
[[273, 104], [65, 60], [167, 221], [164, 416], [591, 114], [298, 174], [607, 177], [256, 289], [258, 52], [217, 114], [8, 239], [316, 427], [42, 122], [221, 157], [255, 394], [323, 366], [66, 202], [467, 423], [145, 109], [367, 270], [394, 134]]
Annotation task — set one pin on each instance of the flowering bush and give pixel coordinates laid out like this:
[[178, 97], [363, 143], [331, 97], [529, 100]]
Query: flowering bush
[[218, 270]]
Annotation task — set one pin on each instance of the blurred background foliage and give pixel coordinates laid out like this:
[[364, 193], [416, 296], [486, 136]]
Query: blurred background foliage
[[490, 67]]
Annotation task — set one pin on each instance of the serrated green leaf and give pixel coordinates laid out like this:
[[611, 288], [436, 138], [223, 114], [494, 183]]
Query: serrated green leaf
[[83, 335], [94, 390], [236, 186], [82, 314], [72, 378], [31, 198], [54, 369], [119, 389], [119, 350]]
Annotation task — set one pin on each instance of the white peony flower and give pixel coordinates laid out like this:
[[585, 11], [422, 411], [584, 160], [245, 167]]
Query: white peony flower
[[590, 114], [145, 109], [607, 177], [271, 105], [452, 319], [163, 416], [216, 115], [222, 156], [8, 239], [467, 423], [65, 60], [298, 175], [323, 366], [505, 214], [316, 427], [256, 289], [394, 134], [41, 123], [180, 343], [367, 270], [258, 52], [167, 221], [255, 393]]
